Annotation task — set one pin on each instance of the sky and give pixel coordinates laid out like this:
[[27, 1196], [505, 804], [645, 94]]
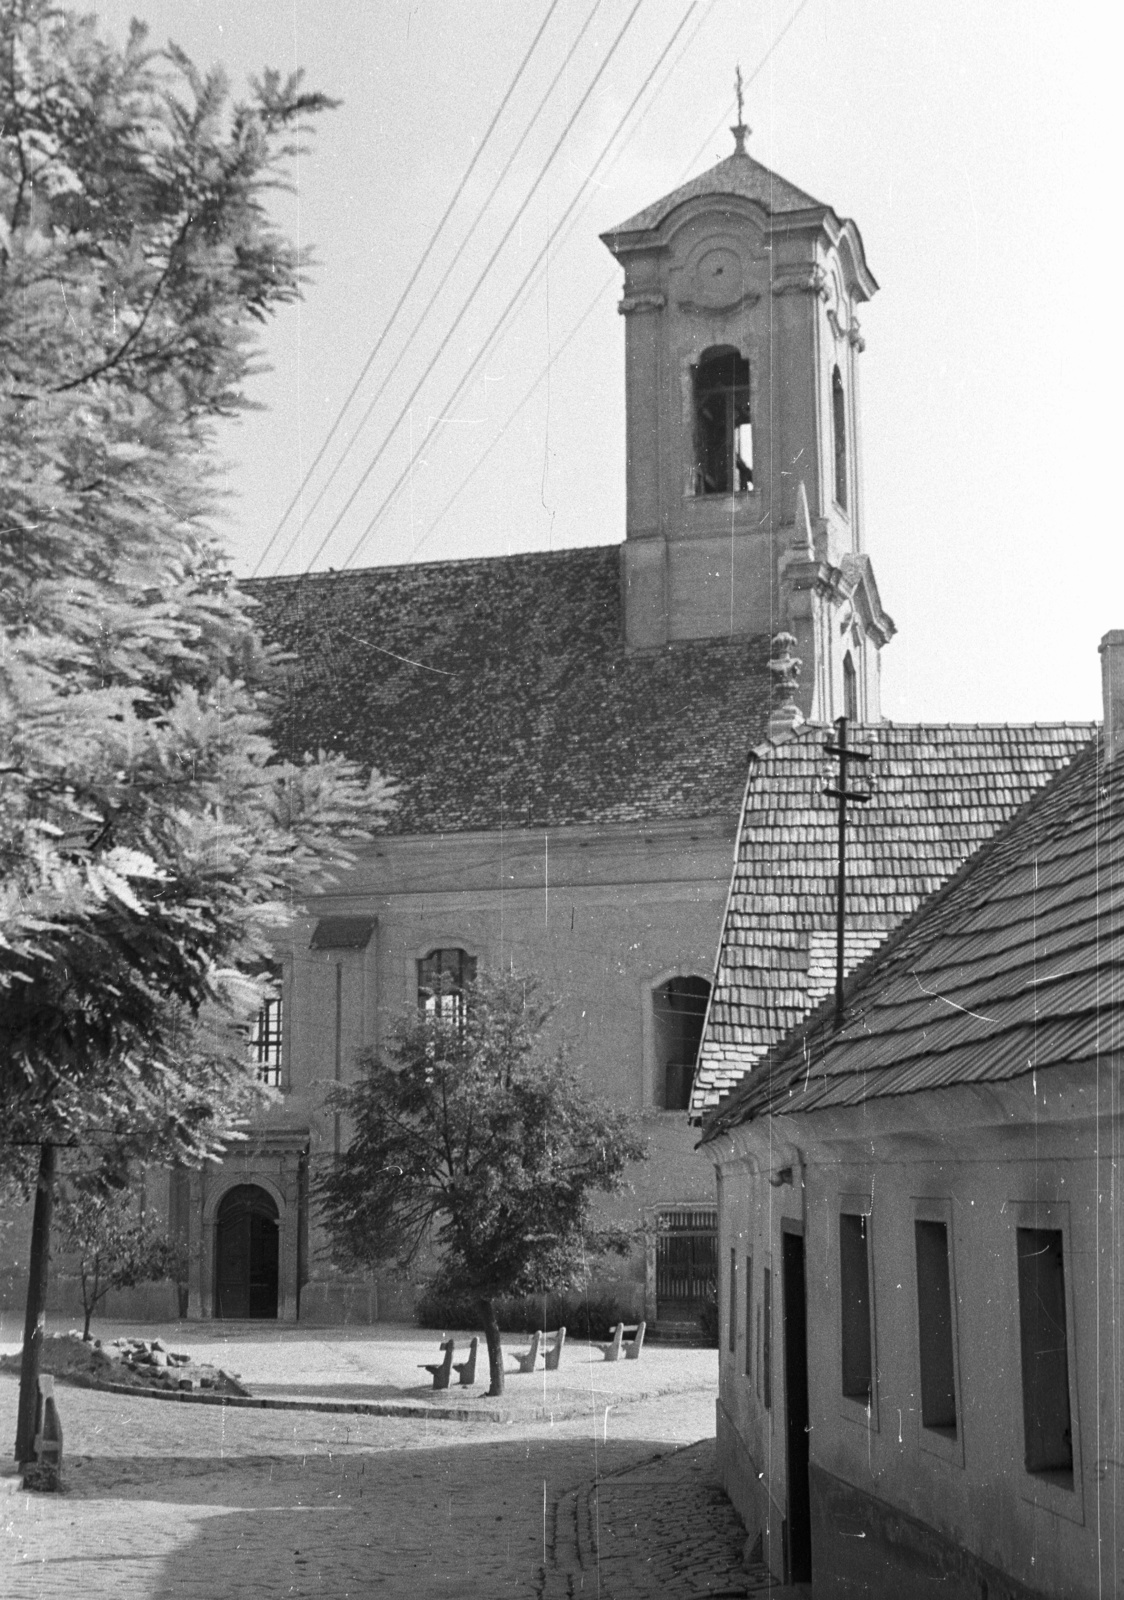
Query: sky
[[974, 143]]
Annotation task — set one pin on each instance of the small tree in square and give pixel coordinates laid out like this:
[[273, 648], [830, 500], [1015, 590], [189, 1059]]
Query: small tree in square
[[472, 1139], [117, 1246]]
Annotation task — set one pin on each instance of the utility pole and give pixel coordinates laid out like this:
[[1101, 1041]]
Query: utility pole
[[845, 797]]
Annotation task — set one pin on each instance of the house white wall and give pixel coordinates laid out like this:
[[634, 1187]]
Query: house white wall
[[899, 1509]]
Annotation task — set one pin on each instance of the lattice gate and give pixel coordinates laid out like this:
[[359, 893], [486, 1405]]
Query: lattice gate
[[686, 1262]]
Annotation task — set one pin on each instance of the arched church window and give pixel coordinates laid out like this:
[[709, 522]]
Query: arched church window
[[443, 977], [850, 689], [723, 426], [679, 1007], [839, 437]]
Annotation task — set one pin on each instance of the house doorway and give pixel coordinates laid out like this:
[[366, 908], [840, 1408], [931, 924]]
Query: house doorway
[[246, 1254], [686, 1263], [799, 1524]]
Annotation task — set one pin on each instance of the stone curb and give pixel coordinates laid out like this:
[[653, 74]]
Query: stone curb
[[249, 1402], [370, 1408]]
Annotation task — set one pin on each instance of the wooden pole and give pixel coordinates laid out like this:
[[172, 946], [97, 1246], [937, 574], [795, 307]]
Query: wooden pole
[[36, 1304], [845, 796], [841, 875]]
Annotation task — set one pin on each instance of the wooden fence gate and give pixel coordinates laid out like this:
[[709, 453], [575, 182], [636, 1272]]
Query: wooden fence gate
[[686, 1263]]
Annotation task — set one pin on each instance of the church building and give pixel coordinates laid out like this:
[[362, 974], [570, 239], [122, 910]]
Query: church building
[[583, 740], [569, 736]]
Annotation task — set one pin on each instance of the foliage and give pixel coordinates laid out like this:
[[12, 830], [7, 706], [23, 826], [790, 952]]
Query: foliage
[[708, 1319], [117, 1246], [470, 1138], [150, 841], [583, 1316]]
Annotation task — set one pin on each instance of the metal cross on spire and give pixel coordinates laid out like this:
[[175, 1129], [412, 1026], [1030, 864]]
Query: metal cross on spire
[[740, 132]]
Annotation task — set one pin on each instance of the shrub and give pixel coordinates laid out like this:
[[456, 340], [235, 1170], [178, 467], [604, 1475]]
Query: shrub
[[708, 1320], [583, 1316]]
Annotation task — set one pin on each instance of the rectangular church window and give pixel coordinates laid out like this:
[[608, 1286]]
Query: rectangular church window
[[266, 1042]]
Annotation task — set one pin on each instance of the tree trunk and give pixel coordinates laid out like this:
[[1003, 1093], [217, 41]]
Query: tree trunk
[[89, 1301], [495, 1351], [36, 1304]]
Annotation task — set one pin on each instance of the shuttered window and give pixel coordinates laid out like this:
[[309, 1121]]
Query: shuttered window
[[934, 1328], [854, 1303], [1045, 1353]]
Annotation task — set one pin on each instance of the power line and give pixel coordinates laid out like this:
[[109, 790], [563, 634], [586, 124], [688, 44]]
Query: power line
[[757, 70], [481, 280], [433, 238], [532, 120], [487, 342], [568, 340], [593, 303]]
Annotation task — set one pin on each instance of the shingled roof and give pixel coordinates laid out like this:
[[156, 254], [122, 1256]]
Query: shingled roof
[[499, 693], [1015, 967], [739, 176], [939, 793]]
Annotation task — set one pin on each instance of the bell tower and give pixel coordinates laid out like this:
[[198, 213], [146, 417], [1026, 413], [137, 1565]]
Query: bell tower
[[744, 488]]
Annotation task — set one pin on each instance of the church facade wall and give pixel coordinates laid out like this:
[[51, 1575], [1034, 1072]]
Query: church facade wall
[[602, 915]]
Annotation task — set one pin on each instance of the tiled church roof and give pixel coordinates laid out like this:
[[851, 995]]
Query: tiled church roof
[[499, 693], [939, 793], [1016, 966], [739, 176]]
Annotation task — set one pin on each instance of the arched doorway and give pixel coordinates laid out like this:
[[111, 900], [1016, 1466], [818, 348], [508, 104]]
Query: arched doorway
[[246, 1253]]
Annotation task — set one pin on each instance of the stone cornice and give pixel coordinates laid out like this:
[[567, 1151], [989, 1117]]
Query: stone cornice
[[646, 300], [697, 308], [802, 278]]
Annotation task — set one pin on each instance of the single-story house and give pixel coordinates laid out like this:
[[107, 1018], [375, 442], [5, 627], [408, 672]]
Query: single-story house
[[921, 1234]]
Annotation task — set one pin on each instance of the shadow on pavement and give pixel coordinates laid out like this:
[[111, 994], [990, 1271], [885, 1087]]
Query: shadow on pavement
[[475, 1520]]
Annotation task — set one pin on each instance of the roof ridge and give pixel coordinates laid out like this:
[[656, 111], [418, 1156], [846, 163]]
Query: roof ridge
[[335, 573], [808, 730]]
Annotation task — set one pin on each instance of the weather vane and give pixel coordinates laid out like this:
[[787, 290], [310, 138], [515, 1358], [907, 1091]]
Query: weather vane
[[740, 131]]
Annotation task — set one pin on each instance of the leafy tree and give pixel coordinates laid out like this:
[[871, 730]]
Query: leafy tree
[[471, 1139], [150, 840], [117, 1246]]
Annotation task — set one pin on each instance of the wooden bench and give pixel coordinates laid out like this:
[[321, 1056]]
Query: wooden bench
[[441, 1369], [617, 1344], [525, 1359], [554, 1355], [466, 1370], [633, 1346]]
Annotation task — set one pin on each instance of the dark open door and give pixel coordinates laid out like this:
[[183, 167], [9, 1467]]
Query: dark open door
[[796, 1408], [246, 1254]]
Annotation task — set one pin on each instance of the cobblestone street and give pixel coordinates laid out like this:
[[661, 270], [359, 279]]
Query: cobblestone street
[[200, 1502]]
